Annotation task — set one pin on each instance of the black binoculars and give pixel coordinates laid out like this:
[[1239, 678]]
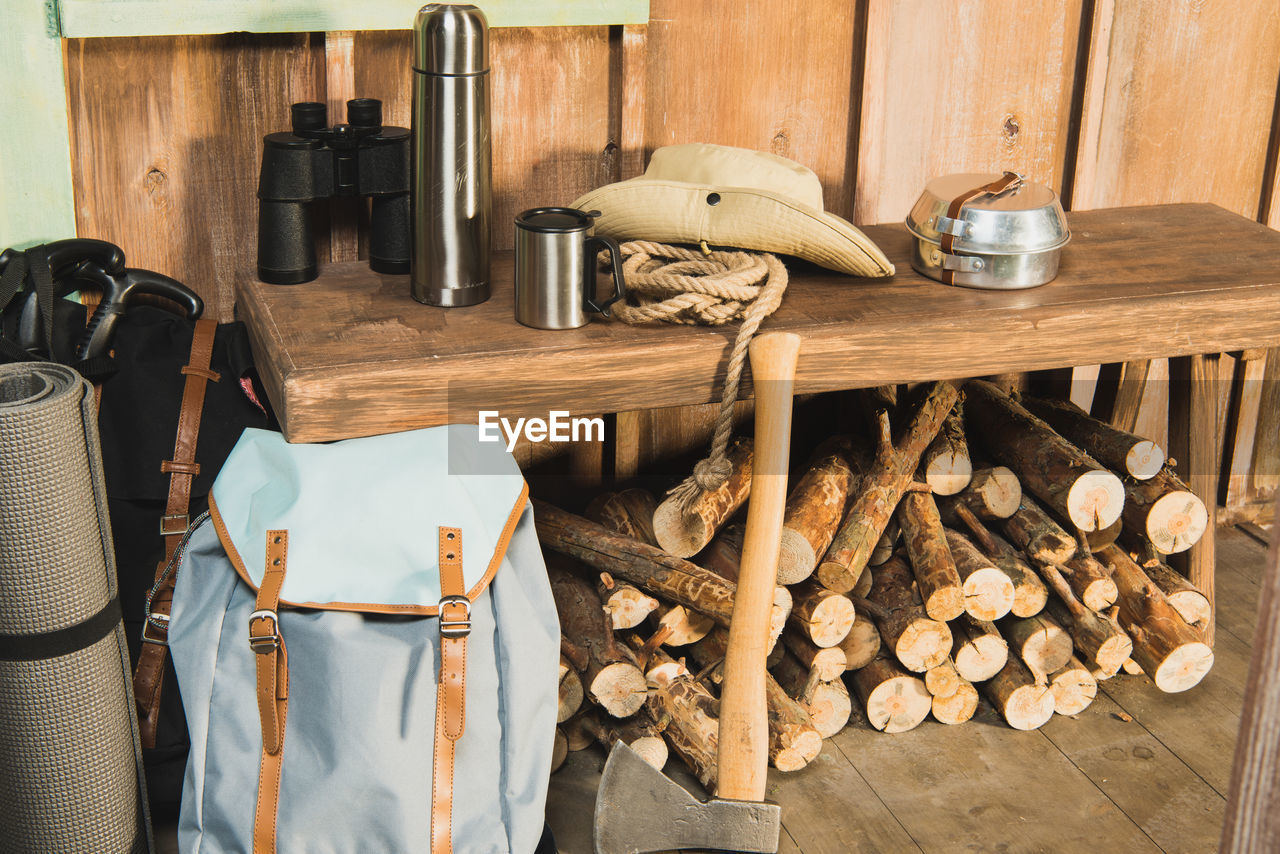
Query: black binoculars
[[314, 161]]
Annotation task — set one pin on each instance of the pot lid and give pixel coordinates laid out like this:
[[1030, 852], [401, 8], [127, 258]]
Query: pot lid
[[1027, 217]]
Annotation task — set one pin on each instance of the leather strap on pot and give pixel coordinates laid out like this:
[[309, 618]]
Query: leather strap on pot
[[451, 698], [1006, 182], [272, 667], [148, 678]]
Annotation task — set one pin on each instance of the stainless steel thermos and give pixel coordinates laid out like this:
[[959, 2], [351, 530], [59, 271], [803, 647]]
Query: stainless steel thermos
[[556, 268], [452, 168]]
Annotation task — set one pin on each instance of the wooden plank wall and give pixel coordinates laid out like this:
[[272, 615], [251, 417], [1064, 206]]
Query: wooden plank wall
[[1110, 102]]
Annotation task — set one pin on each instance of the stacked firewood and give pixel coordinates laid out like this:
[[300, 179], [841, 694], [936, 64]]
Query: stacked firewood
[[955, 544]]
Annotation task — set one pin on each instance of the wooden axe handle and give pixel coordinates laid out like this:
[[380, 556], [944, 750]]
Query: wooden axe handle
[[743, 754]]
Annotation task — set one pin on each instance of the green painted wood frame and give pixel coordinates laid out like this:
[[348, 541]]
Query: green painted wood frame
[[36, 198]]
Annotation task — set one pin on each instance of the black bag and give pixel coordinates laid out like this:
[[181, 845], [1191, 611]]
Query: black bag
[[138, 419]]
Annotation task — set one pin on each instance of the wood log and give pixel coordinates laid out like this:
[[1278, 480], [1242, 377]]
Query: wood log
[[814, 510], [823, 616], [862, 645], [1186, 599], [935, 570], [685, 531], [1073, 687], [1099, 642], [1029, 592], [827, 662], [957, 708], [647, 567], [1043, 539], [1025, 702], [574, 654], [688, 709], [793, 740], [1065, 478], [988, 592], [559, 750], [1100, 539], [629, 513], [827, 702], [1133, 668], [880, 488], [683, 625], [884, 548], [895, 701], [570, 691], [626, 605], [942, 680], [979, 651], [1043, 645], [994, 493], [1091, 582], [612, 678], [1166, 512], [576, 736], [1118, 450], [945, 464], [917, 641], [640, 735], [1171, 652]]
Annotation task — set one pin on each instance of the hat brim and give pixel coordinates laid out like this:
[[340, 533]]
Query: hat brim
[[646, 209]]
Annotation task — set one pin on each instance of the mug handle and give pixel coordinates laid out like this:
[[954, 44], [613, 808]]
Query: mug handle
[[593, 246]]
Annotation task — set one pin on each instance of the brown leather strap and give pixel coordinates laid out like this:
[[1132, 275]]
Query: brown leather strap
[[451, 705], [272, 689], [148, 677], [994, 188]]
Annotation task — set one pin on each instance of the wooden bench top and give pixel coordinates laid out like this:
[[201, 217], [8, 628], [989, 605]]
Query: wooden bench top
[[351, 354]]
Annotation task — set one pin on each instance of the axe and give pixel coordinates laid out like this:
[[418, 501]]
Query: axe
[[638, 809]]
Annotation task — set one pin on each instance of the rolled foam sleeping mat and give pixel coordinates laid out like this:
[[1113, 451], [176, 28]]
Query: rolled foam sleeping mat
[[70, 763]]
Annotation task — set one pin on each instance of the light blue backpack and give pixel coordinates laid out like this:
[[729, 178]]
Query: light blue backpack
[[367, 650]]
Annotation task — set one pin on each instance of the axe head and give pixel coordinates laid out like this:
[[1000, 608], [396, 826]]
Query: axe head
[[639, 809]]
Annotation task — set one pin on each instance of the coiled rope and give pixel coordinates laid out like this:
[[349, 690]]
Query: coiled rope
[[705, 288]]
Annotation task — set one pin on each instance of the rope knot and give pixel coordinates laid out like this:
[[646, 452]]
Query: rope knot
[[711, 473]]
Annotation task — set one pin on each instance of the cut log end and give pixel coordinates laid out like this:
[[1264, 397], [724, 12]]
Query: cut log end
[[1113, 653], [570, 697], [945, 604], [1192, 606], [957, 708], [861, 646], [829, 707], [628, 607], [1074, 688], [686, 626], [997, 493], [619, 689], [942, 680], [948, 473], [1095, 500], [797, 750], [981, 658], [988, 594], [923, 644], [831, 621], [1099, 594], [678, 533], [1144, 460], [1028, 707], [837, 577], [899, 704], [796, 559], [1176, 521], [559, 751], [652, 749], [1183, 668]]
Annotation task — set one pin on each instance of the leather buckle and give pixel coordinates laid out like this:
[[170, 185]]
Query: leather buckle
[[268, 643], [174, 524], [148, 626], [455, 628]]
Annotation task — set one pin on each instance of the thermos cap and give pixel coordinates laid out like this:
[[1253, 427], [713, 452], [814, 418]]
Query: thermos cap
[[450, 39]]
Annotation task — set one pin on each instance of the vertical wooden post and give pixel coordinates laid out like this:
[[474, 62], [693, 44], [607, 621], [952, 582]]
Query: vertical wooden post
[[1119, 393], [1193, 442], [1253, 803]]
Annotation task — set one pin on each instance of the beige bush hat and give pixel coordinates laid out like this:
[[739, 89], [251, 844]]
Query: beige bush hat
[[733, 197]]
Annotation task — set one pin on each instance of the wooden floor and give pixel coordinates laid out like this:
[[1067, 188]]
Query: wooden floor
[[1138, 771]]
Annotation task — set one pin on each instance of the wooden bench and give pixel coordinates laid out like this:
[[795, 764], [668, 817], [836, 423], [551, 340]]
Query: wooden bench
[[351, 354]]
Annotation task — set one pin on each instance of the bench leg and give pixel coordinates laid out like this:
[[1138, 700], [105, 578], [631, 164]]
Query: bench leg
[[1194, 435]]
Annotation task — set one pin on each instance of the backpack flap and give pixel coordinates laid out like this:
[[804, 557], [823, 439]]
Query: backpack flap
[[363, 514]]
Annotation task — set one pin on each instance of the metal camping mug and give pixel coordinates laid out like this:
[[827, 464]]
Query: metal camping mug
[[556, 268]]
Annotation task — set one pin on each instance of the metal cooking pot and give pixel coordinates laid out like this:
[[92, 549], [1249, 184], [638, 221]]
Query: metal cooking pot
[[987, 231]]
